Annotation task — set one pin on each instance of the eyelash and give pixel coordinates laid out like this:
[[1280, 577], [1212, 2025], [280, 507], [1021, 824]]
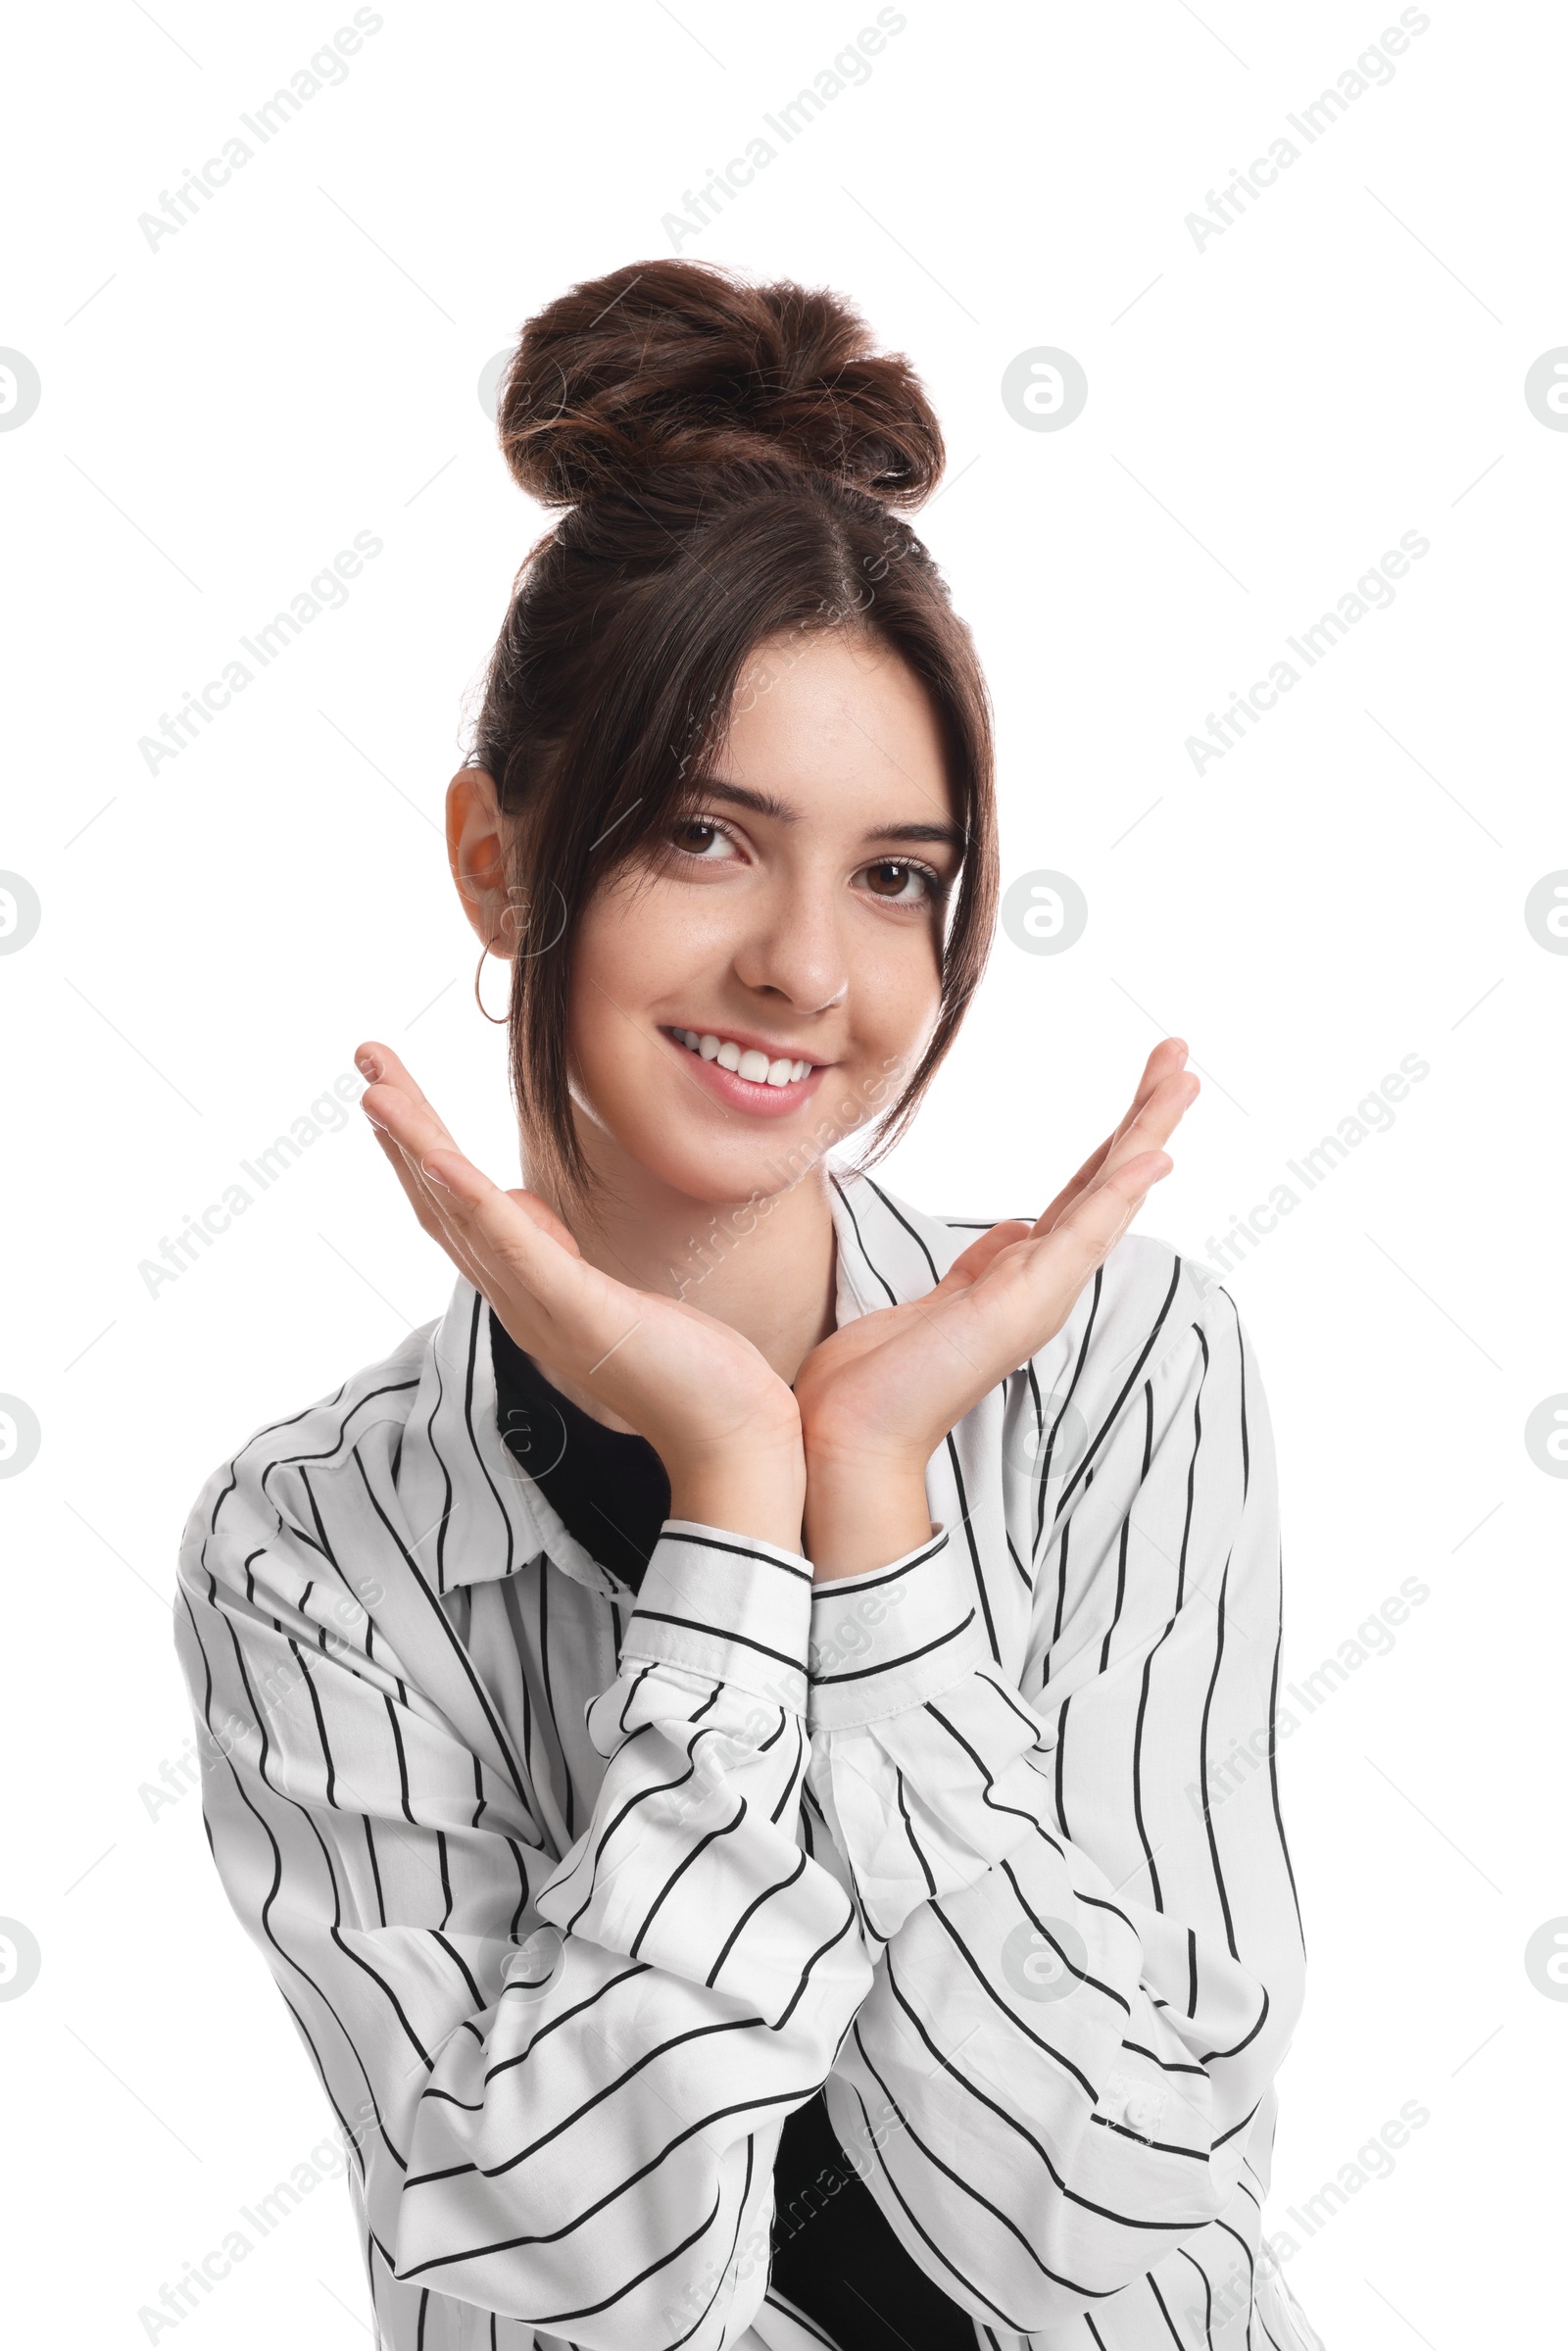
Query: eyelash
[[938, 888]]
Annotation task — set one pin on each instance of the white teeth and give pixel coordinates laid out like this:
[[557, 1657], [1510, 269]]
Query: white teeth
[[747, 1061]]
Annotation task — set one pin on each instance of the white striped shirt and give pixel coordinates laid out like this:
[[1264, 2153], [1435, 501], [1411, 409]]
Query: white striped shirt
[[575, 1894]]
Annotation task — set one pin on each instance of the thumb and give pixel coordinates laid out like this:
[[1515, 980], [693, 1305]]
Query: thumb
[[966, 1269], [534, 1208]]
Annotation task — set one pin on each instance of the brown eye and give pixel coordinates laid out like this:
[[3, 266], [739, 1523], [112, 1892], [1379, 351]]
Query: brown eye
[[895, 878], [702, 837]]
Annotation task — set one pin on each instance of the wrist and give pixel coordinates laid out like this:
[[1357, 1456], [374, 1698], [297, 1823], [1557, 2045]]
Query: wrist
[[833, 1448], [863, 1510], [756, 1489]]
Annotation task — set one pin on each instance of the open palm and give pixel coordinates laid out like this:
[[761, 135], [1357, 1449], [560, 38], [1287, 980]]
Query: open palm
[[687, 1382], [890, 1384]]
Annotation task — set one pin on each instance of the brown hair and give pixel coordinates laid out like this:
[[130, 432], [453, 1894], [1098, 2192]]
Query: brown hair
[[731, 457]]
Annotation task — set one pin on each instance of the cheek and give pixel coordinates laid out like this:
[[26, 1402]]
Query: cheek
[[894, 984], [632, 954], [625, 942]]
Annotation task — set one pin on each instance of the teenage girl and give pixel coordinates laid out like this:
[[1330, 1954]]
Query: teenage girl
[[712, 1736]]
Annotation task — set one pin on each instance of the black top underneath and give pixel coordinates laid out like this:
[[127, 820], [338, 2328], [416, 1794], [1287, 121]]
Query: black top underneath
[[607, 1486], [846, 2269]]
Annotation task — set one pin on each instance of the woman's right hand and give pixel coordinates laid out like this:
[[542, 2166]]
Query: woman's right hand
[[719, 1417]]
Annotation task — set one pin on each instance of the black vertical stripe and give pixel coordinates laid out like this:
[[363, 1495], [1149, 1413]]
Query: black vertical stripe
[[1208, 2298], [1203, 1750], [967, 1520], [1273, 1756], [1131, 1381], [1138, 1766], [1096, 1292], [1153, 2288]]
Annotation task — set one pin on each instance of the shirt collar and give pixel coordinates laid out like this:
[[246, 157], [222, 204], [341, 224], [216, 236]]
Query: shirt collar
[[479, 1516]]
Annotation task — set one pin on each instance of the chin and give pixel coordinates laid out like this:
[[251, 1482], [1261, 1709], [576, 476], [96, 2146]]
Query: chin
[[718, 1156], [722, 1169]]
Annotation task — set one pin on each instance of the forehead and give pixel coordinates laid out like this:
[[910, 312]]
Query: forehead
[[834, 719]]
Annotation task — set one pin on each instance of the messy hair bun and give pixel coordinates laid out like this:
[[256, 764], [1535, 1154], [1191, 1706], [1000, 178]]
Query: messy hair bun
[[676, 362]]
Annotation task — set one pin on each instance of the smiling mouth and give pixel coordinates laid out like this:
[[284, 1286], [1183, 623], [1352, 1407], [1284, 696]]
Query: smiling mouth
[[746, 1061]]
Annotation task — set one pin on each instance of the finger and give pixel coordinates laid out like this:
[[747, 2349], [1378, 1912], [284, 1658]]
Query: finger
[[396, 1103], [1154, 1123], [545, 1218], [968, 1267], [380, 1065], [411, 1132], [425, 1200], [407, 1126], [1096, 1221], [1168, 1058], [1074, 1185], [411, 1124], [1042, 1280], [1165, 1060], [484, 1246], [1148, 1127], [407, 1116], [508, 1243], [415, 1192], [430, 1155], [520, 1253]]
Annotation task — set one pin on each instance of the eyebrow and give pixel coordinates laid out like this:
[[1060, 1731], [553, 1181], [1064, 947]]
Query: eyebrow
[[768, 804]]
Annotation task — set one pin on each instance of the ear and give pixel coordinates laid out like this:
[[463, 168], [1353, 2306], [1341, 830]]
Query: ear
[[477, 852]]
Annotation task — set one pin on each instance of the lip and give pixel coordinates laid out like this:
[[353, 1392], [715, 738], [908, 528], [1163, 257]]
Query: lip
[[757, 1100]]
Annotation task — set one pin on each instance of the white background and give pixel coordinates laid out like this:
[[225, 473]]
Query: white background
[[1266, 414]]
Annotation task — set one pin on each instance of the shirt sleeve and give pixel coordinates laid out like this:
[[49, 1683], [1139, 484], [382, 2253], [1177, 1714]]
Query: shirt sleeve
[[562, 2081], [1089, 1955]]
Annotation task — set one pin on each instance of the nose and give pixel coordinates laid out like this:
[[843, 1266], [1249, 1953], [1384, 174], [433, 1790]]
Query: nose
[[794, 947]]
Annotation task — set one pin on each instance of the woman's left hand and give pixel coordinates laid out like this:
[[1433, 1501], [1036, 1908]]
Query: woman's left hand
[[877, 1396]]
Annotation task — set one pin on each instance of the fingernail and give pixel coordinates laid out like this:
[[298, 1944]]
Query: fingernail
[[378, 1123], [430, 1176], [367, 1063]]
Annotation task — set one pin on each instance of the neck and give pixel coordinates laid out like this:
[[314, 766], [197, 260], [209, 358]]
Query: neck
[[768, 1268]]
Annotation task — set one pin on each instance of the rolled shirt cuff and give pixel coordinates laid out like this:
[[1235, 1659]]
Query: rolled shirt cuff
[[730, 1607], [894, 1637]]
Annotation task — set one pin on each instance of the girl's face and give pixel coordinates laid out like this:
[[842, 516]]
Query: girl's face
[[764, 983]]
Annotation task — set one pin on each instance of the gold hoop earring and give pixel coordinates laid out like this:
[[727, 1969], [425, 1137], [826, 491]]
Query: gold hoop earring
[[497, 1020]]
